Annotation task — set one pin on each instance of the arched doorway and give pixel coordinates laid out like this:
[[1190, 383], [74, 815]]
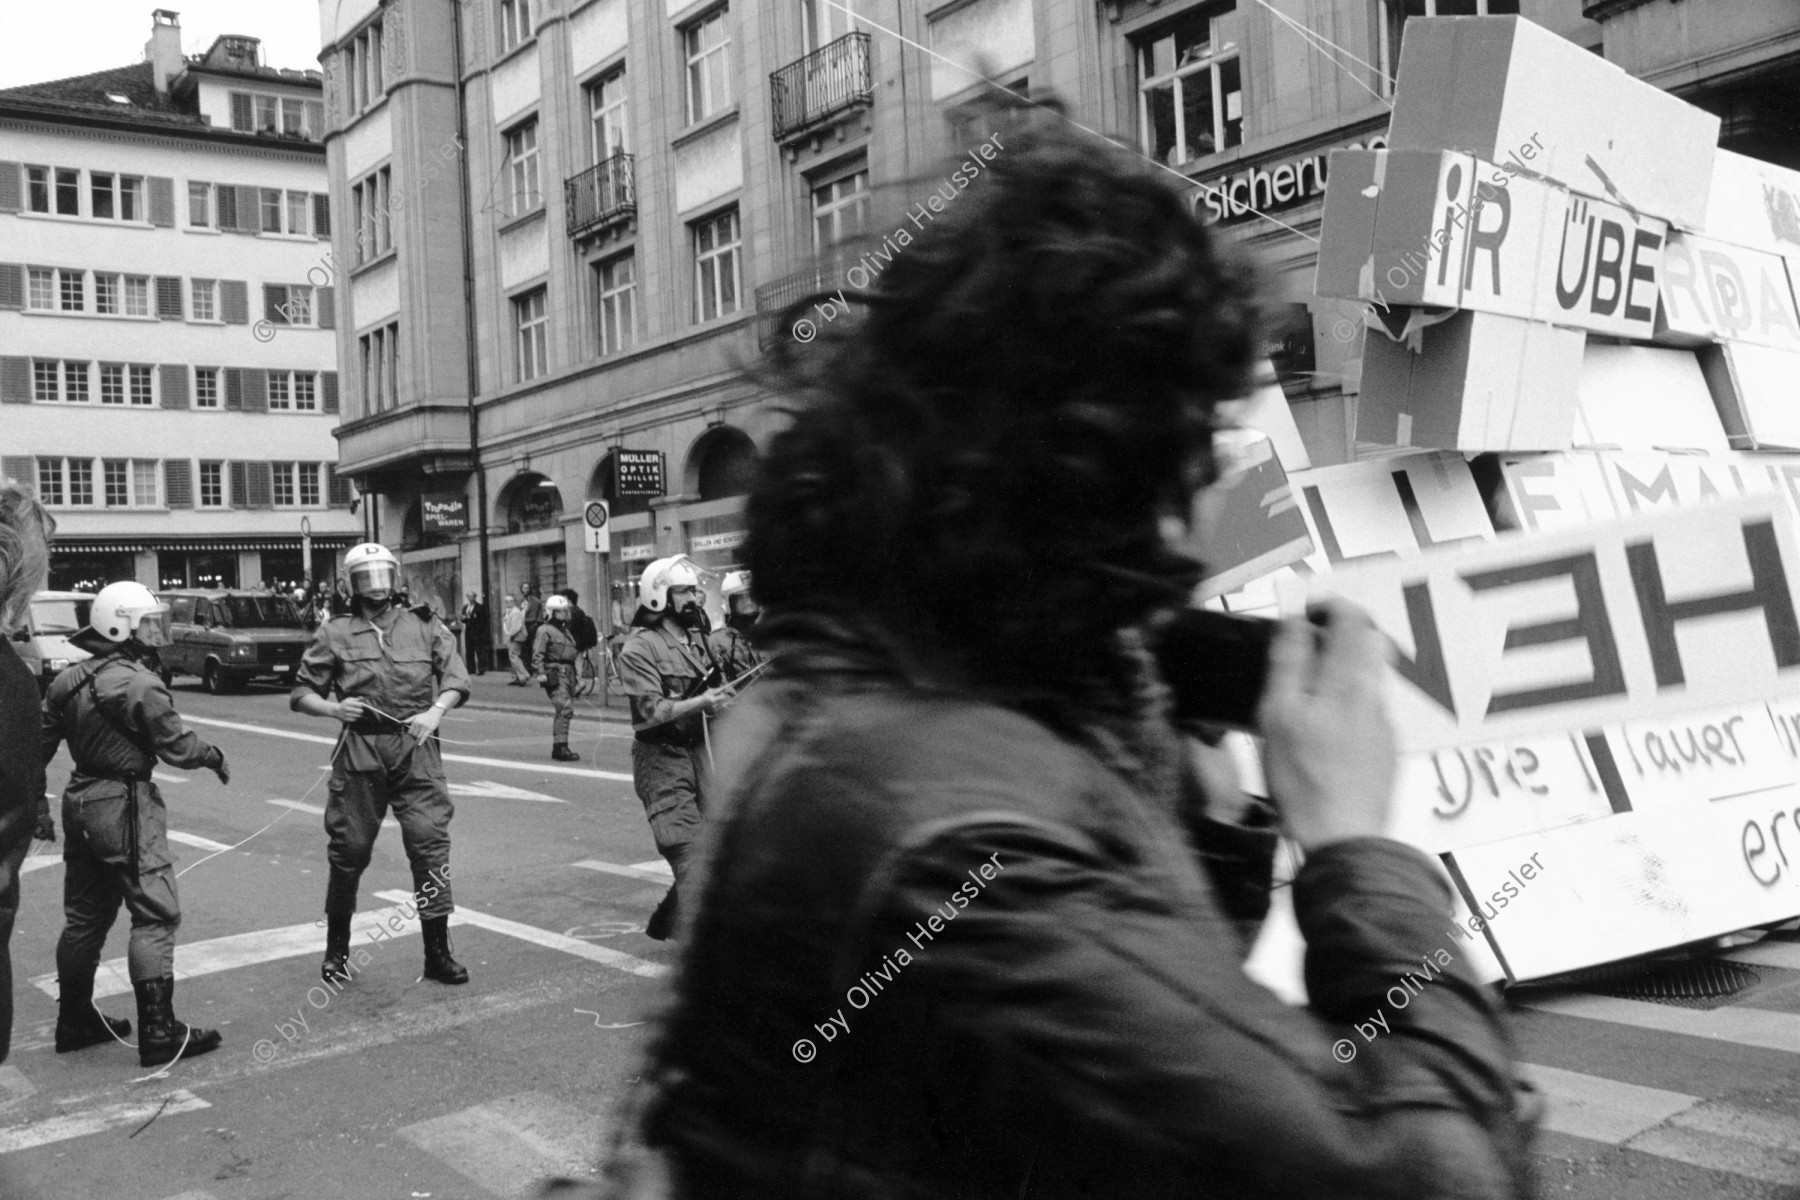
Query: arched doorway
[[722, 463]]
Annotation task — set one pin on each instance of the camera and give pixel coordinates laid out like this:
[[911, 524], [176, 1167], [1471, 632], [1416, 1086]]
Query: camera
[[1216, 664]]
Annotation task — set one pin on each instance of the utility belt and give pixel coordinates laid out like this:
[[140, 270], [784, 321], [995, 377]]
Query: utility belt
[[131, 782], [115, 776], [673, 733]]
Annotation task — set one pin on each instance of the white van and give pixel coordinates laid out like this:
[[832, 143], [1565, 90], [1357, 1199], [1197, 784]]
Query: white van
[[43, 642]]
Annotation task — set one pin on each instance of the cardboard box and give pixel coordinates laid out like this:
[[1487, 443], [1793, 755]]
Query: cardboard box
[[1638, 398], [1509, 91], [1754, 391], [1250, 525], [1347, 223], [1751, 203], [1713, 291], [1399, 506], [1479, 382], [1550, 492]]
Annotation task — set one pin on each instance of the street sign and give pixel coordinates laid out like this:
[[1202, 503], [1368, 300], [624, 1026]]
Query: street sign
[[599, 537], [595, 514]]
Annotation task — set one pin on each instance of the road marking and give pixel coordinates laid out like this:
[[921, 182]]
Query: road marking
[[629, 963], [97, 1120], [500, 791], [508, 1145], [656, 866], [196, 841], [194, 959], [302, 806], [1721, 1137], [38, 862], [1602, 1110], [165, 777], [193, 1196], [1767, 954], [1742, 1026], [473, 760], [629, 872]]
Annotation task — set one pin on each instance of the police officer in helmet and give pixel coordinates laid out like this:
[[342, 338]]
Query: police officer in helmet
[[388, 674], [119, 721], [554, 653], [731, 644]]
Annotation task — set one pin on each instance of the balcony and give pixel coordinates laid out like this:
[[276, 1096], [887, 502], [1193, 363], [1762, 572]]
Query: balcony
[[772, 299], [601, 195], [827, 83]]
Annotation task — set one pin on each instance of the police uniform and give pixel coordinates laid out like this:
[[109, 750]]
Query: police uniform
[[118, 719], [554, 653], [734, 653], [398, 664], [668, 761]]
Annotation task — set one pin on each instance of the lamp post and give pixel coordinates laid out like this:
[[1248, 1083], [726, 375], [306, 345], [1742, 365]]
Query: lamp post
[[306, 548]]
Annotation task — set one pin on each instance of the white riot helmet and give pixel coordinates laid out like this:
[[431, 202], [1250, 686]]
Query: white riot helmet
[[372, 568], [736, 583], [556, 605], [122, 610], [660, 576]]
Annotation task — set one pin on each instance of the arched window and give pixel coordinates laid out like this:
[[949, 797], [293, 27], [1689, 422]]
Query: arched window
[[724, 463], [530, 501]]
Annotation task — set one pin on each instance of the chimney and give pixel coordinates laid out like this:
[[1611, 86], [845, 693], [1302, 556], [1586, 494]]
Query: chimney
[[163, 50]]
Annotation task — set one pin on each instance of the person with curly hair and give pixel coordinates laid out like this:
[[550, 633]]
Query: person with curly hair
[[959, 925]]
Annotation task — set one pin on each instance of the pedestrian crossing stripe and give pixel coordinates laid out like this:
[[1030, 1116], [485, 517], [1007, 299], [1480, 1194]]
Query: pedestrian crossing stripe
[[315, 810], [97, 1120], [644, 871], [508, 1145], [1759, 1027], [617, 959]]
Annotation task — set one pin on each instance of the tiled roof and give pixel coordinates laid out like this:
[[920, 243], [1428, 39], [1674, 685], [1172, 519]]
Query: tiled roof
[[89, 93]]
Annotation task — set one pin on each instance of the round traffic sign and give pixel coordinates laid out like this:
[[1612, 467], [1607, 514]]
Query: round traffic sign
[[595, 514]]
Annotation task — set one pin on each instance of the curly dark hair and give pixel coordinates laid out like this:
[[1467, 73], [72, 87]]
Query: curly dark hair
[[979, 461]]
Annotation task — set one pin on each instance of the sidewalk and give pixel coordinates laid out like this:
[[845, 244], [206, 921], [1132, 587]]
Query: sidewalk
[[491, 693]]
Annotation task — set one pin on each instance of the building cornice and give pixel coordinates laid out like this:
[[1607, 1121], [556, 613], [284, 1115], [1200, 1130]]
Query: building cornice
[[13, 113]]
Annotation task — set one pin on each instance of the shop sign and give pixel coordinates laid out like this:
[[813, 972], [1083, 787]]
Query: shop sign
[[637, 473], [444, 514], [717, 541], [639, 553], [1269, 189]]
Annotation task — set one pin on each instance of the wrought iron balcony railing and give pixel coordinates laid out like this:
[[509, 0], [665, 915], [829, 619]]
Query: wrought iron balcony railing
[[833, 79], [773, 298], [604, 193]]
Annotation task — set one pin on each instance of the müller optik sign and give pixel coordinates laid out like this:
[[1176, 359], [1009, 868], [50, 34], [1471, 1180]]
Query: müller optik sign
[[1264, 189]]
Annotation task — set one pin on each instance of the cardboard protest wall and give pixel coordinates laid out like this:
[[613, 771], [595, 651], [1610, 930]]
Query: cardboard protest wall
[[1751, 203], [1635, 619], [1645, 398], [1470, 795], [1478, 381], [1252, 524], [1549, 492], [1713, 291], [1511, 92], [1697, 758], [1396, 507], [1635, 882], [1754, 391]]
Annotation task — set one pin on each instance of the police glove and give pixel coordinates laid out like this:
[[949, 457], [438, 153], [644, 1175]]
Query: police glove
[[217, 765], [46, 830]]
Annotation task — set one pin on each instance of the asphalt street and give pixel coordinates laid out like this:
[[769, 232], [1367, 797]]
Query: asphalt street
[[408, 1089]]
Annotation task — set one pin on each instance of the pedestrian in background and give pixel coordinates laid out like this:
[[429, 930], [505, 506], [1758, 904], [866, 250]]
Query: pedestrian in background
[[25, 533], [958, 856], [478, 649], [340, 600], [555, 653], [512, 624], [534, 616]]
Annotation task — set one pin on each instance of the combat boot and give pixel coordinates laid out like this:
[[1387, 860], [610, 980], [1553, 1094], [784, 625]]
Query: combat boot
[[335, 967], [561, 753], [78, 1023], [438, 963], [161, 1038]]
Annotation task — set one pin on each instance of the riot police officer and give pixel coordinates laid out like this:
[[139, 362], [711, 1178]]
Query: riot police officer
[[389, 674], [119, 720], [731, 645], [554, 653], [668, 671]]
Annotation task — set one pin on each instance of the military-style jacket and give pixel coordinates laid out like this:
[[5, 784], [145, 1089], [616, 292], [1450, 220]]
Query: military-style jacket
[[664, 662], [399, 663], [553, 644], [136, 701], [734, 652]]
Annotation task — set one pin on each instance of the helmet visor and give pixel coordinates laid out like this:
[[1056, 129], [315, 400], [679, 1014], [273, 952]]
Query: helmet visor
[[153, 626], [371, 578]]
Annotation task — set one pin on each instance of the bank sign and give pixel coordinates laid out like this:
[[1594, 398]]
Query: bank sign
[[1270, 188]]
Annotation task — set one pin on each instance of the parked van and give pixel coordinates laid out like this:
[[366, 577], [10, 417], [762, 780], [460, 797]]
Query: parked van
[[228, 637], [43, 641]]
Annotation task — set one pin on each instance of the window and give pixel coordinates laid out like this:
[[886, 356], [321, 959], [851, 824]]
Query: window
[[293, 391], [142, 390], [106, 294], [75, 382], [112, 383], [200, 205], [283, 474], [1190, 90], [293, 117], [515, 23], [70, 291], [826, 21], [206, 387], [296, 484], [380, 368], [68, 192], [280, 397], [116, 479], [288, 304], [840, 209], [606, 109], [205, 294], [43, 381], [307, 475], [522, 162], [212, 485], [37, 189], [137, 296], [616, 284], [41, 292], [115, 197], [297, 205], [271, 210], [708, 65], [143, 483], [306, 392], [101, 195], [369, 214], [46, 374], [50, 481], [265, 114], [1391, 26], [716, 266], [362, 70], [531, 321]]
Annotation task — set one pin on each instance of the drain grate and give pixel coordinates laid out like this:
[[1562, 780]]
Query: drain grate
[[1691, 983]]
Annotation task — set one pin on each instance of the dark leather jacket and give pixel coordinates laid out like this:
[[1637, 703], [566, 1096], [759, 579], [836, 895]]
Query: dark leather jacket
[[941, 950]]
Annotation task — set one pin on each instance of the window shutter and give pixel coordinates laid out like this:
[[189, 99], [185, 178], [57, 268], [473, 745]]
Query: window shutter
[[315, 120], [274, 300], [234, 301], [328, 393], [256, 389], [261, 485], [15, 381], [10, 175], [337, 487], [168, 297], [240, 490], [227, 204], [22, 470], [325, 307], [178, 483], [234, 389], [322, 216], [242, 117], [174, 385], [162, 200], [12, 285]]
